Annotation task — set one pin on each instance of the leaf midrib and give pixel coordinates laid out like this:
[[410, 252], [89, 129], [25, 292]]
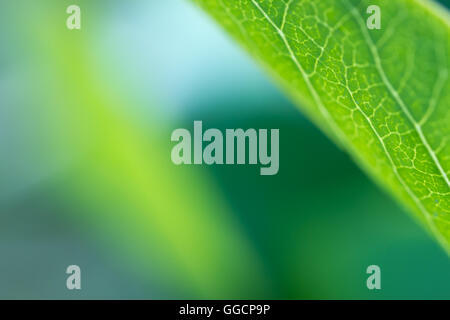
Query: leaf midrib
[[391, 90], [394, 92]]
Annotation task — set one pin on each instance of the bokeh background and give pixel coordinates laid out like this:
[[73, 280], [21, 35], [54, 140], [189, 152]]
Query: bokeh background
[[86, 176]]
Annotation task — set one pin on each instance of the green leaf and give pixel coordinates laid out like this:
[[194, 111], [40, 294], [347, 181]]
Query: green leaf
[[383, 95]]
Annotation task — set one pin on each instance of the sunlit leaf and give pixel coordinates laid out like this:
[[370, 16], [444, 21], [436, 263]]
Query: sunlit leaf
[[382, 94]]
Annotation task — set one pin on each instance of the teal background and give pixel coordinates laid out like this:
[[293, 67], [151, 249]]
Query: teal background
[[86, 176]]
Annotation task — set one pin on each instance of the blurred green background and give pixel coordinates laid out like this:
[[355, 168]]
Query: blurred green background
[[86, 176]]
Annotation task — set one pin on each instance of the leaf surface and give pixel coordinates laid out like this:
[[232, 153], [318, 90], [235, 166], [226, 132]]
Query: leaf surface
[[383, 95]]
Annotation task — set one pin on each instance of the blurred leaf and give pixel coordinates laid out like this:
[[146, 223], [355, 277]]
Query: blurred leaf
[[120, 182], [383, 95]]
